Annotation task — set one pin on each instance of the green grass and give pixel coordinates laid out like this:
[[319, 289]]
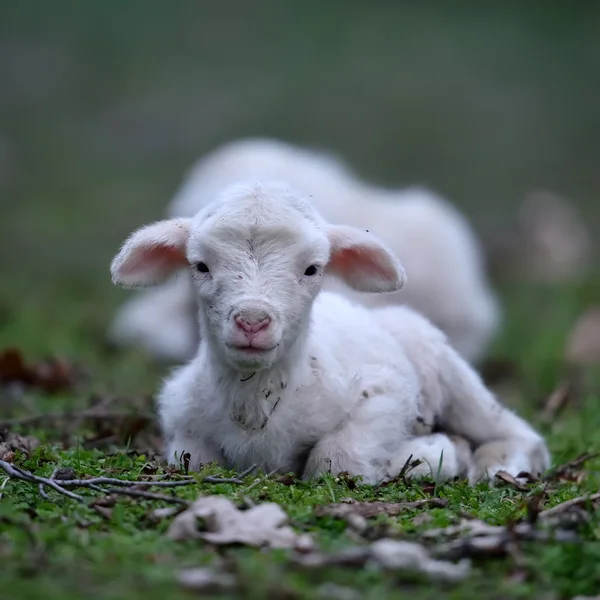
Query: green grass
[[68, 550]]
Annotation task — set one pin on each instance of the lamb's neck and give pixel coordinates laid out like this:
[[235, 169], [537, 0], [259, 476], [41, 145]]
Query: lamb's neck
[[251, 397]]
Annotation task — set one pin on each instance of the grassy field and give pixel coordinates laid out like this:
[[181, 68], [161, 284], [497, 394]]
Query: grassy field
[[104, 105], [69, 550]]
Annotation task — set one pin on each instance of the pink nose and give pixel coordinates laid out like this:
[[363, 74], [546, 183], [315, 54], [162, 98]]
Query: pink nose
[[252, 325]]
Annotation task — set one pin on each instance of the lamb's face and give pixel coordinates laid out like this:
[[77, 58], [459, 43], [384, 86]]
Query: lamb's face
[[257, 254], [257, 265]]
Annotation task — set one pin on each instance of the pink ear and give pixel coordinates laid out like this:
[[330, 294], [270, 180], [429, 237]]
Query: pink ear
[[151, 254], [362, 261]]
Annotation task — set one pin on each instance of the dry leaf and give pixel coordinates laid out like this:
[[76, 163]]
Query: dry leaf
[[206, 580], [371, 509], [287, 479], [508, 478], [390, 554], [13, 442], [393, 554], [558, 400], [570, 471], [583, 345], [555, 243], [224, 523], [476, 538], [51, 375]]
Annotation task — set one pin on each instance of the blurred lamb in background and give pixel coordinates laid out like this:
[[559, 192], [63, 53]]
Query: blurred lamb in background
[[443, 259]]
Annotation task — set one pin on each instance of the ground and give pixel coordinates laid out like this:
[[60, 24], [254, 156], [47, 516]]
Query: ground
[[71, 550]]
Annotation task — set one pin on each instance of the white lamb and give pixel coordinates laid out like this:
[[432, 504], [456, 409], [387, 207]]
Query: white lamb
[[432, 239], [297, 380]]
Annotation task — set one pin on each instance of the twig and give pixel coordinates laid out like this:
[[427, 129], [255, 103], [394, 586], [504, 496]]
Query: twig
[[233, 480], [568, 504], [259, 481], [148, 495], [122, 482], [6, 480], [17, 473], [43, 493], [93, 484], [572, 464]]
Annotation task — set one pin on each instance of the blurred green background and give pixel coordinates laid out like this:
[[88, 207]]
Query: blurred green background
[[105, 104]]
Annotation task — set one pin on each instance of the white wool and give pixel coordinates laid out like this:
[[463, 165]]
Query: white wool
[[296, 379], [440, 252]]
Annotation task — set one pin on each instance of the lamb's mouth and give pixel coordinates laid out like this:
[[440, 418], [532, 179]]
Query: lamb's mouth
[[252, 349]]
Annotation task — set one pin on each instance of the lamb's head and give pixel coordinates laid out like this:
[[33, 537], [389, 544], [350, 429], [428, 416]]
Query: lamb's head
[[258, 254]]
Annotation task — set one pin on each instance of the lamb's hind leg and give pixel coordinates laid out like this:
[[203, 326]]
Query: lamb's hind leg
[[376, 442], [503, 440]]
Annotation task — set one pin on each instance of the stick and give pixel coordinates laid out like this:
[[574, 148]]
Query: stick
[[565, 506], [261, 480], [122, 482], [572, 464], [233, 480], [17, 473]]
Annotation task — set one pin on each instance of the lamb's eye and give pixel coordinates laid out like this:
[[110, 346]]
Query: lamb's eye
[[202, 267], [310, 271]]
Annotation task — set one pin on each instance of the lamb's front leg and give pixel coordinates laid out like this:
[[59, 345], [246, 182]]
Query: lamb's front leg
[[376, 442], [201, 452]]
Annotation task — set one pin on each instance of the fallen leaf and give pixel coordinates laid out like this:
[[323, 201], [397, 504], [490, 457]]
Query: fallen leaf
[[64, 473], [371, 509], [555, 244], [393, 554], [583, 344], [12, 367], [103, 511], [570, 470], [287, 479], [344, 477], [13, 442], [508, 478], [50, 375], [390, 554], [206, 580], [224, 523], [477, 538], [558, 400], [158, 514]]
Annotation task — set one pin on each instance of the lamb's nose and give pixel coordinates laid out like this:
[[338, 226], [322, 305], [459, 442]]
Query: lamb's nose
[[252, 324]]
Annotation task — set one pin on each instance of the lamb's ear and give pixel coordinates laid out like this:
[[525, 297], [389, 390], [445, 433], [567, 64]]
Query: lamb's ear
[[151, 254], [363, 261]]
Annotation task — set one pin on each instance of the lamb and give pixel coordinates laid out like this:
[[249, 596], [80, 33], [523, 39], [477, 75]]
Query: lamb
[[297, 379], [432, 239]]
